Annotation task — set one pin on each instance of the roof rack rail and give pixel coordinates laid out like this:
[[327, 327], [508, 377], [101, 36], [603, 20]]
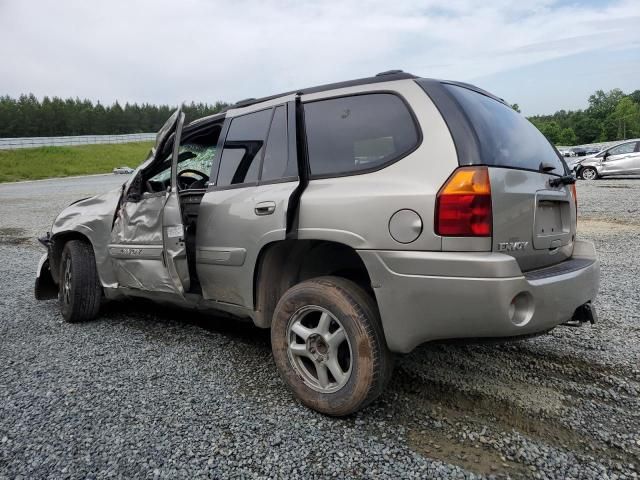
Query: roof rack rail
[[246, 101], [379, 78], [389, 72]]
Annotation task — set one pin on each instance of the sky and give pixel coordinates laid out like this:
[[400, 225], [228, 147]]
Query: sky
[[544, 55]]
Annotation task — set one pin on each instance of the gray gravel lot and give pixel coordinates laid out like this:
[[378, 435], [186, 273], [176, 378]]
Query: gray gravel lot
[[150, 392]]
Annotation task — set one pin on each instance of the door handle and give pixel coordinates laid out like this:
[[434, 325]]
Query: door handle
[[265, 208]]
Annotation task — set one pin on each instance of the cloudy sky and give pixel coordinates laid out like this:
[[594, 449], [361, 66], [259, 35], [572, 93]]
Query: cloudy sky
[[544, 55]]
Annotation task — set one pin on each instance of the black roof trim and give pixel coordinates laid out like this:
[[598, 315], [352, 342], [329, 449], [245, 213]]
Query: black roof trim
[[387, 76], [205, 120], [246, 101], [388, 72], [468, 86]]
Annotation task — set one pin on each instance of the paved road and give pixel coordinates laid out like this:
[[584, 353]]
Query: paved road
[[154, 392], [28, 208]]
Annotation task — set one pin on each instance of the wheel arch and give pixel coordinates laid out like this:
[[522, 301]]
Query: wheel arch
[[282, 264], [58, 241]]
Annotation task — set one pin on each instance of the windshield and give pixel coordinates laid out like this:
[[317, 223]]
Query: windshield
[[507, 139]]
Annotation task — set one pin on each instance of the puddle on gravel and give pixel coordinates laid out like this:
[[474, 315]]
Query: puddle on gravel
[[13, 236]]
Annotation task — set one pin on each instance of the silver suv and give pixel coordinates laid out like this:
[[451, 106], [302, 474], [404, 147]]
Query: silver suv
[[355, 220]]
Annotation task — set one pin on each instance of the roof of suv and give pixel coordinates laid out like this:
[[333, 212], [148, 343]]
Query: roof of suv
[[387, 76]]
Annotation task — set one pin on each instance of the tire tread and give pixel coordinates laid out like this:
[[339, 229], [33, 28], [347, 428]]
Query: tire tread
[[86, 290]]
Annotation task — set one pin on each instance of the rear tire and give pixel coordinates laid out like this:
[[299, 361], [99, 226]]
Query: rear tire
[[343, 364], [589, 173], [79, 290]]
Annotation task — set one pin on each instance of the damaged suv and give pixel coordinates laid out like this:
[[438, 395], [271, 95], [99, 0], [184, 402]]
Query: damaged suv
[[355, 220]]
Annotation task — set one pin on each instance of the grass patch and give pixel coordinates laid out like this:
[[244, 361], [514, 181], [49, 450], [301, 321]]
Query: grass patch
[[47, 162]]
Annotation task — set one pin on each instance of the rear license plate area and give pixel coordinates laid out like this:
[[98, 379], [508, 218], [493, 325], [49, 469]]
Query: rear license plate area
[[552, 227], [549, 218]]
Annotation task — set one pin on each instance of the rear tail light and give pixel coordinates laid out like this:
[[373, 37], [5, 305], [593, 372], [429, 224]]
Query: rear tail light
[[463, 204], [574, 193], [575, 196]]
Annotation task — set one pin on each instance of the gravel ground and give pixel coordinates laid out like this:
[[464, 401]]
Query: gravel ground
[[159, 393]]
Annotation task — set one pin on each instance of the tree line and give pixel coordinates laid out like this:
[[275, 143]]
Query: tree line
[[612, 115], [27, 116]]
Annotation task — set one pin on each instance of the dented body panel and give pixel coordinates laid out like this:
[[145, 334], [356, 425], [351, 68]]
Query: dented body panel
[[93, 219]]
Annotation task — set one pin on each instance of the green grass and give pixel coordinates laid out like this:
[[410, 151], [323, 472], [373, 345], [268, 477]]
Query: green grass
[[47, 162]]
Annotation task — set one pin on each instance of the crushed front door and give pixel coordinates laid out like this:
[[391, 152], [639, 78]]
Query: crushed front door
[[146, 245]]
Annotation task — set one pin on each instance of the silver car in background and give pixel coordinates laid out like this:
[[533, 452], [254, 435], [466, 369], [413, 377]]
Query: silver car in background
[[355, 220], [621, 159]]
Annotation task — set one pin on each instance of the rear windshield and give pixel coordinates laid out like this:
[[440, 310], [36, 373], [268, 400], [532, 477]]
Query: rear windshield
[[507, 139]]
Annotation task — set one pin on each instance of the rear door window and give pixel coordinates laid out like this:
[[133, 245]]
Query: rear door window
[[506, 138], [358, 133], [243, 148]]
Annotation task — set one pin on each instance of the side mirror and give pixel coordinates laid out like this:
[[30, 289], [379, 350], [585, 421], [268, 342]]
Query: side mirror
[[606, 155]]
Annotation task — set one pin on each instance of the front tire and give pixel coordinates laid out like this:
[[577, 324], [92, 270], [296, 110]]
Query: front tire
[[79, 290], [329, 346], [589, 173]]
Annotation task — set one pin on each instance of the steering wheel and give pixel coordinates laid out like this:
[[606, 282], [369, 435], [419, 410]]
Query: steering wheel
[[203, 178]]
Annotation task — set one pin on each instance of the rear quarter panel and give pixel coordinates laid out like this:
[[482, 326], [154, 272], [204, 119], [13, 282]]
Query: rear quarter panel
[[355, 210]]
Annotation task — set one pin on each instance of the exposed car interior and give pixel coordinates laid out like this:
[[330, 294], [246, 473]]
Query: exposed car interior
[[195, 160], [196, 154]]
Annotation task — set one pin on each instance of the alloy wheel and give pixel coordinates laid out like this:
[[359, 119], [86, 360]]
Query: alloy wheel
[[589, 174], [319, 349]]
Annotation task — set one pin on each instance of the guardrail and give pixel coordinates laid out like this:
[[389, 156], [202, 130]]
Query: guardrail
[[33, 142]]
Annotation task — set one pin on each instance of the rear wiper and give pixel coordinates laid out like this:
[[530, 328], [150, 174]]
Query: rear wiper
[[565, 180]]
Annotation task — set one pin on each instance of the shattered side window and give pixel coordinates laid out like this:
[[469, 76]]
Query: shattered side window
[[202, 161]]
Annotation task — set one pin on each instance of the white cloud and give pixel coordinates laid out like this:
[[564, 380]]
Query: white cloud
[[167, 51]]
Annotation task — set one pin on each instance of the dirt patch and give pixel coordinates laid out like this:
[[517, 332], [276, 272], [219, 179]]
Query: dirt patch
[[13, 236], [470, 456], [501, 413], [450, 407]]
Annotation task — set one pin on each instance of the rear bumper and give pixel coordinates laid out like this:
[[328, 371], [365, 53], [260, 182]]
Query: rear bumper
[[426, 296]]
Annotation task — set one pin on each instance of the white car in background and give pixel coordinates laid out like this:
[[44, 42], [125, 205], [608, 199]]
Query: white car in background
[[620, 159], [123, 170]]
